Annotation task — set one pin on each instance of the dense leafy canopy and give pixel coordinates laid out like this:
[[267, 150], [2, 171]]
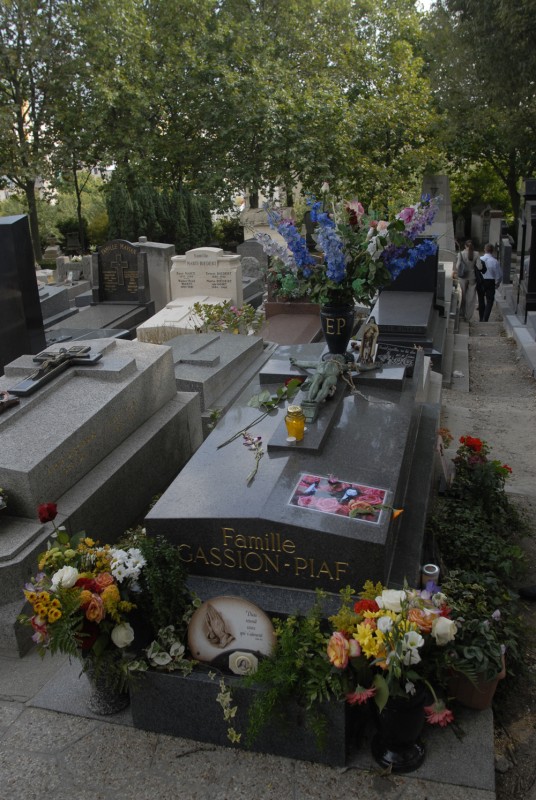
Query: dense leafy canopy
[[222, 97]]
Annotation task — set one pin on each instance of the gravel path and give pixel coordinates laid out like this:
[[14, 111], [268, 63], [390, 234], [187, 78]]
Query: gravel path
[[500, 408]]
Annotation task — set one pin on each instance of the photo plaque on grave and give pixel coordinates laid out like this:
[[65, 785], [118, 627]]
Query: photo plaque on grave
[[230, 633]]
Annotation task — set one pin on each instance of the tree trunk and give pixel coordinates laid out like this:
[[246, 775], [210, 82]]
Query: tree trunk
[[78, 192], [29, 190]]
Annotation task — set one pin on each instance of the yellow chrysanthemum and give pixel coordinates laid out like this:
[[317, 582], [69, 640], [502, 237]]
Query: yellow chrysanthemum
[[41, 609], [370, 640], [54, 615], [31, 597], [110, 596], [44, 597], [85, 597], [55, 603]]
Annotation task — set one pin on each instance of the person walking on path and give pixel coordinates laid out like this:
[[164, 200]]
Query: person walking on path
[[492, 279], [466, 263]]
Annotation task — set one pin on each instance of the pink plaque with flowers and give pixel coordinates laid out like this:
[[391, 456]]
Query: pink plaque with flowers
[[331, 495]]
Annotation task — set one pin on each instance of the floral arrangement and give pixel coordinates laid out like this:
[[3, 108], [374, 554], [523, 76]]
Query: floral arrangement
[[391, 641], [225, 317], [358, 254], [82, 598]]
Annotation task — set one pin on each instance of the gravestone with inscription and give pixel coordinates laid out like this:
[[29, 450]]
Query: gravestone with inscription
[[317, 514], [120, 295], [278, 530], [99, 439], [204, 275], [120, 274], [21, 319]]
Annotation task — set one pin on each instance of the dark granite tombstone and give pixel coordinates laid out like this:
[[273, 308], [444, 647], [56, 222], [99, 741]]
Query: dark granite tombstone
[[21, 320], [421, 278], [120, 274], [262, 531], [529, 278], [251, 247]]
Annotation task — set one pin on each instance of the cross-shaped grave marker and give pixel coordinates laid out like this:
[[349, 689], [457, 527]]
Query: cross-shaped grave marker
[[52, 364]]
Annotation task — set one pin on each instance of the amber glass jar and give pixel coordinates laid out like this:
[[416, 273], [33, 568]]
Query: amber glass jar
[[295, 422]]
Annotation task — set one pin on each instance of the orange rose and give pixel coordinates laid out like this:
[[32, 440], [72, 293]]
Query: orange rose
[[338, 648], [95, 610], [422, 620], [361, 507], [103, 580]]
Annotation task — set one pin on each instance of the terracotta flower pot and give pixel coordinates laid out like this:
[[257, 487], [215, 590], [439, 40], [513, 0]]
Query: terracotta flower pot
[[477, 696]]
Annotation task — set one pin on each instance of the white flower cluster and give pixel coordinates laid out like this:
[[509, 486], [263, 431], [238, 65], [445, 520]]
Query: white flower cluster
[[127, 564]]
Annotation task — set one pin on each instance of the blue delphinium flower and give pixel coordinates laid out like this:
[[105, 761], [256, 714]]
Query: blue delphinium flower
[[330, 243], [295, 241]]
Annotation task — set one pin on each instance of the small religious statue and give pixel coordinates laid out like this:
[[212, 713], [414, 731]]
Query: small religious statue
[[322, 383], [369, 340]]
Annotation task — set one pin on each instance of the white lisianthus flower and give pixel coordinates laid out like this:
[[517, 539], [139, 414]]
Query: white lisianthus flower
[[443, 630], [65, 577], [122, 635], [325, 187], [412, 639], [384, 624], [411, 656], [391, 599], [409, 688]]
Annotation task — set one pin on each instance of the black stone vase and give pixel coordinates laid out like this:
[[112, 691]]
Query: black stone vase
[[397, 743], [337, 326], [103, 699]]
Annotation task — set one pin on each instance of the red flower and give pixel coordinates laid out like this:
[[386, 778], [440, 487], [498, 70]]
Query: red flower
[[366, 605], [507, 468], [47, 512], [87, 583], [297, 378], [472, 443]]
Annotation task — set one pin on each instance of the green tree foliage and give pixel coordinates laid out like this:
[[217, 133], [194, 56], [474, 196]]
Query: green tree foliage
[[482, 67]]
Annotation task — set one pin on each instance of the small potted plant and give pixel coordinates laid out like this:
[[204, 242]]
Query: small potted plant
[[475, 658]]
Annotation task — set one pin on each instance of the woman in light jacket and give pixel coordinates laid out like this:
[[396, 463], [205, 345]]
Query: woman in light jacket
[[468, 260]]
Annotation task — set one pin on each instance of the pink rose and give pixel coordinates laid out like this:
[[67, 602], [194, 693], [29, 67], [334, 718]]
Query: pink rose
[[305, 502], [372, 496], [406, 215], [330, 504]]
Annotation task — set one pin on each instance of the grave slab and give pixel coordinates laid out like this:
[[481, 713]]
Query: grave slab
[[210, 363], [261, 531], [129, 384]]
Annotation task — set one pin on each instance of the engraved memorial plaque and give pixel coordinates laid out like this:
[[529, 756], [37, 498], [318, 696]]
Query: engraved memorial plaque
[[230, 632], [122, 274]]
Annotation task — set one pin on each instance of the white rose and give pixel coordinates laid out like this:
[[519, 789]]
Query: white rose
[[122, 635], [391, 599], [65, 577], [443, 630]]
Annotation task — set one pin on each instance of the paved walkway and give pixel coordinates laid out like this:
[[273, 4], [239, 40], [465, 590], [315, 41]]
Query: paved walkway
[[52, 746]]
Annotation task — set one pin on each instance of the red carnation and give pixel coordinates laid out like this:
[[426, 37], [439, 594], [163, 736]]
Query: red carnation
[[47, 512], [366, 605]]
